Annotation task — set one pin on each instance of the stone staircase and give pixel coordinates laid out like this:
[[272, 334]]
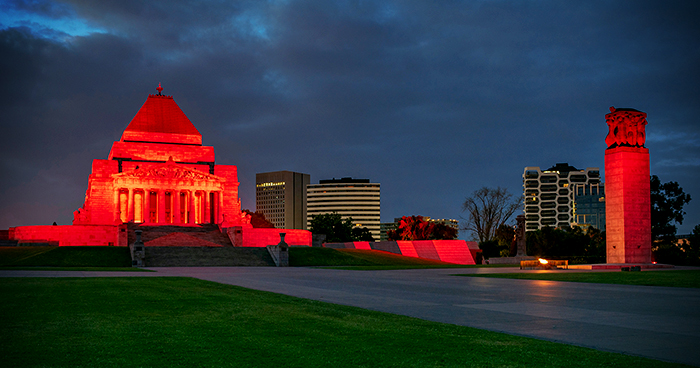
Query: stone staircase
[[206, 232], [207, 257], [194, 246]]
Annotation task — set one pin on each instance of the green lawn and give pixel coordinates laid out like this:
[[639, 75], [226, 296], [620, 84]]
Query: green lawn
[[677, 278], [103, 269], [65, 257], [182, 322]]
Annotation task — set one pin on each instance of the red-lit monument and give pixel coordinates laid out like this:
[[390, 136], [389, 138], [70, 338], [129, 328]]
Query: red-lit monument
[[157, 174], [627, 202]]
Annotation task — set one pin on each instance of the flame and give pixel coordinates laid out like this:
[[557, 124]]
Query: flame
[[543, 261]]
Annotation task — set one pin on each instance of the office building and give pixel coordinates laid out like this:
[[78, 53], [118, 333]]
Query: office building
[[355, 198], [549, 195], [281, 197]]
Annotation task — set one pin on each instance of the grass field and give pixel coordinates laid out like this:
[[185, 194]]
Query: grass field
[[675, 278], [65, 257], [182, 322]]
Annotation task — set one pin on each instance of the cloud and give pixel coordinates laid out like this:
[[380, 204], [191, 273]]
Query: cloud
[[433, 99]]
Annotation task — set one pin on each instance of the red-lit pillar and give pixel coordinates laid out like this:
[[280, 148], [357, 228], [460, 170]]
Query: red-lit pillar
[[219, 210], [191, 213], [146, 205], [130, 204], [207, 209], [117, 214], [627, 192], [161, 207], [176, 207]]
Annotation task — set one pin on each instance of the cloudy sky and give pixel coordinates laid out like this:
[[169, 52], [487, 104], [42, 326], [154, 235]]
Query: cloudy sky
[[432, 101]]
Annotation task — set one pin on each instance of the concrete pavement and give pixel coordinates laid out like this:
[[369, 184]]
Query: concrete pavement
[[656, 322]]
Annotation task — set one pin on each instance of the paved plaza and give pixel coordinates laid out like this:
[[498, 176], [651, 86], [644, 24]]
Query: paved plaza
[[656, 322]]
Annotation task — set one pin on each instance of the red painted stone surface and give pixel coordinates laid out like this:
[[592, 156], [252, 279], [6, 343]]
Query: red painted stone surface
[[453, 251], [67, 235], [627, 192]]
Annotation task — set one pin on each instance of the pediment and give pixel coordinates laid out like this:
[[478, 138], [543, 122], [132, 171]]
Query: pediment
[[168, 170]]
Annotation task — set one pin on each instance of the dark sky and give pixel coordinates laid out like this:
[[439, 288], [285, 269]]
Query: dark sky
[[433, 100]]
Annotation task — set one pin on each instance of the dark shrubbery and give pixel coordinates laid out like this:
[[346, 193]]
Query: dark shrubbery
[[572, 243], [685, 252]]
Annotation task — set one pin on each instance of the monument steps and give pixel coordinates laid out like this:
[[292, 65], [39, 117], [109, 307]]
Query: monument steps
[[207, 257], [204, 233]]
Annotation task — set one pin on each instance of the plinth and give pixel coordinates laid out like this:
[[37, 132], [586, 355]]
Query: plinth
[[627, 205]]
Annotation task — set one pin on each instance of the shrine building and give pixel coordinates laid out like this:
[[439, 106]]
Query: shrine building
[[158, 174]]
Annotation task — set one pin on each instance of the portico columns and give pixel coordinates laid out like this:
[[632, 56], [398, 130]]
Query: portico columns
[[206, 219], [219, 210], [130, 205], [146, 206], [192, 213], [161, 207], [175, 209], [117, 204]]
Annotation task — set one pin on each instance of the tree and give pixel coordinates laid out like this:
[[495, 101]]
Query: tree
[[361, 234], [505, 236], [417, 228], [487, 209], [667, 201], [338, 230], [258, 220], [682, 252]]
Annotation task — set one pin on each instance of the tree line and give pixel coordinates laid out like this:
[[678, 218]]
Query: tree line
[[490, 210]]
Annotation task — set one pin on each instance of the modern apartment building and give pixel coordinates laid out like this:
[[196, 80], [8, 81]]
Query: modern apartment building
[[549, 194], [589, 205], [281, 197], [355, 198]]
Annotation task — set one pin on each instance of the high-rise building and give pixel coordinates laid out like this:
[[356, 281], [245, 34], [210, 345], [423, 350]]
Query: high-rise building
[[589, 205], [281, 197], [549, 195], [355, 198]]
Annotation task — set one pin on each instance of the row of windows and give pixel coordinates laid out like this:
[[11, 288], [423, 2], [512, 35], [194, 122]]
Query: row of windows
[[353, 195]]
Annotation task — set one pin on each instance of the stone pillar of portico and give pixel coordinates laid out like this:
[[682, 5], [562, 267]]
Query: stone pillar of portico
[[206, 219], [146, 206], [191, 212], [220, 209], [117, 214], [161, 207], [130, 205], [176, 207]]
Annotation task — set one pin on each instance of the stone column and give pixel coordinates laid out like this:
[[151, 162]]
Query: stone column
[[117, 215], [130, 205], [175, 209], [207, 208], [220, 209], [146, 205], [627, 189], [191, 213], [161, 207]]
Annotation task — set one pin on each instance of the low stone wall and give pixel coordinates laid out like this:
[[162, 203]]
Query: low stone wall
[[67, 235], [260, 237], [453, 251]]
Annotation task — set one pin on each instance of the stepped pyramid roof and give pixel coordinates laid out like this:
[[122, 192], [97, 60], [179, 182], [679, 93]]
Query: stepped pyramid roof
[[161, 120]]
